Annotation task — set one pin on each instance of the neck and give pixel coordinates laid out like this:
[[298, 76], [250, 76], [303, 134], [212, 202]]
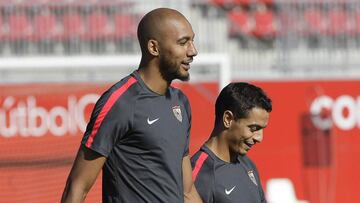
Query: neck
[[150, 74], [220, 147]]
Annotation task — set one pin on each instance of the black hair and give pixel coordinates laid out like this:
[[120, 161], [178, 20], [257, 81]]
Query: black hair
[[240, 98]]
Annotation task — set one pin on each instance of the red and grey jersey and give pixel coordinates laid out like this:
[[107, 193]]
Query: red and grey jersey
[[221, 182], [144, 136]]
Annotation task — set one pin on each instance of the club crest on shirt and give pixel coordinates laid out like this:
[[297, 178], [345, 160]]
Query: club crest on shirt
[[177, 112], [252, 177]]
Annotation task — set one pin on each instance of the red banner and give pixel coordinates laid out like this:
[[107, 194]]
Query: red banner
[[312, 139]]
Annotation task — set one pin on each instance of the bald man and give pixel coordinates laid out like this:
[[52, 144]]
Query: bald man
[[138, 134]]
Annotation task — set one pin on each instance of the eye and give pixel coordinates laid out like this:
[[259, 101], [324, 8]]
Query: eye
[[183, 42], [254, 128]]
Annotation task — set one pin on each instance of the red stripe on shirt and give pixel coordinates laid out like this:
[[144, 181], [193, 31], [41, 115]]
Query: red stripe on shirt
[[199, 163], [106, 108]]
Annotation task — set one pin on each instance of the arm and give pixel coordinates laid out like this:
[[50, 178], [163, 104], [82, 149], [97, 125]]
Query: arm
[[86, 168], [190, 193]]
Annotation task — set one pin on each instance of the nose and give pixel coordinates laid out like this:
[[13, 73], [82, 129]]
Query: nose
[[258, 137], [192, 50]]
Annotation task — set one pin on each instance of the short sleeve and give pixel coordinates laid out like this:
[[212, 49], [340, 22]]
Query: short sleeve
[[204, 179], [110, 120]]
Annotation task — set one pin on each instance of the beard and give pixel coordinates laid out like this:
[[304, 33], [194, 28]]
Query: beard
[[171, 70]]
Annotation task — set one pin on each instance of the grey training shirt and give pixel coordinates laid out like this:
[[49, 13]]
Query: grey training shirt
[[221, 182], [144, 136]]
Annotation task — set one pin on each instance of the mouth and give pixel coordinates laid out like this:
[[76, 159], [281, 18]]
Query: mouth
[[249, 145], [186, 64]]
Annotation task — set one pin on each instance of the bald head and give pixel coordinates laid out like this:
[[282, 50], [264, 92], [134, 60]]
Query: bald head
[[155, 23]]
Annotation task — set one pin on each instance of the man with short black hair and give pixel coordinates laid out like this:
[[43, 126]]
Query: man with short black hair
[[222, 171]]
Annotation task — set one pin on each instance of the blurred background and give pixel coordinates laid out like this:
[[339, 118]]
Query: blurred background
[[58, 56]]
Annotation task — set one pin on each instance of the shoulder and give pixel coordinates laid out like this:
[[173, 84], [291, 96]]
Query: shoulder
[[204, 175], [249, 163], [125, 89], [179, 93], [127, 84], [120, 97], [202, 163]]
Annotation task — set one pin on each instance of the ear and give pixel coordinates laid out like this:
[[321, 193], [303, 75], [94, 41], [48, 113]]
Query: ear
[[228, 118], [153, 47]]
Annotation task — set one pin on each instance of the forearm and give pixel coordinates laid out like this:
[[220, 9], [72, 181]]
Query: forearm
[[190, 193], [73, 194], [192, 196]]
